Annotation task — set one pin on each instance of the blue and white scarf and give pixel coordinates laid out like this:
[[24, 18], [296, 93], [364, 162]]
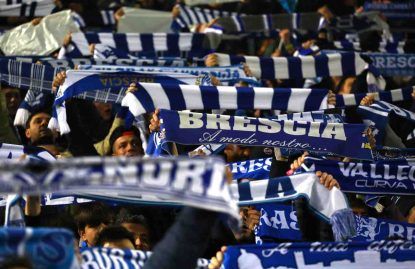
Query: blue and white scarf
[[323, 65], [222, 73], [182, 97], [390, 64], [71, 63], [391, 96], [44, 247], [265, 23], [26, 75], [108, 17], [199, 128], [369, 229], [205, 2], [358, 23], [386, 177], [377, 115], [195, 182], [112, 258], [102, 51], [315, 116], [15, 8], [376, 254], [11, 152], [108, 87], [34, 100], [384, 46], [190, 16], [252, 169], [330, 205], [279, 221], [194, 44]]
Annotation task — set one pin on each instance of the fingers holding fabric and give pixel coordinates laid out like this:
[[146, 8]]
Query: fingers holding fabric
[[58, 80], [217, 260], [155, 122], [327, 180]]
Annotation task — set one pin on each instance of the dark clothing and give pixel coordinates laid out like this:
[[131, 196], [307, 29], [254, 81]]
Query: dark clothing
[[185, 241]]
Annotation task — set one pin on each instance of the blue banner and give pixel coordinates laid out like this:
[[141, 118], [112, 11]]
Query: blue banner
[[376, 254], [386, 177], [392, 64], [252, 169], [113, 258], [279, 221], [198, 128]]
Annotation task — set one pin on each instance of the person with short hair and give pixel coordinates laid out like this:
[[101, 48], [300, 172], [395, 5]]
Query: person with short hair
[[138, 226], [115, 236], [90, 219], [126, 142]]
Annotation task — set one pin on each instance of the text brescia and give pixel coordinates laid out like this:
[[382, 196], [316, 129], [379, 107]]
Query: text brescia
[[198, 128]]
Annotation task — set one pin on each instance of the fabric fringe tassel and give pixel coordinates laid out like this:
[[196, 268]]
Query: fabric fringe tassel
[[343, 224]]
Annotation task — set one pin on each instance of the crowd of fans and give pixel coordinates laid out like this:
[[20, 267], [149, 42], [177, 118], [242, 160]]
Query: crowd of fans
[[97, 131]]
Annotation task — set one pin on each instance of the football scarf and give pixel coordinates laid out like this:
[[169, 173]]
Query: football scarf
[[112, 258], [252, 169], [384, 46], [27, 75], [222, 73], [330, 205], [279, 221], [183, 97], [10, 152], [15, 8], [198, 128], [391, 96], [198, 182], [107, 87], [323, 65], [169, 44], [392, 64], [73, 62], [377, 115], [376, 254], [385, 177], [190, 16]]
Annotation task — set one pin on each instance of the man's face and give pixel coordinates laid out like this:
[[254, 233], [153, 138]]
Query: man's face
[[13, 99], [89, 234], [244, 235], [141, 235], [104, 110], [127, 145], [38, 130], [236, 153]]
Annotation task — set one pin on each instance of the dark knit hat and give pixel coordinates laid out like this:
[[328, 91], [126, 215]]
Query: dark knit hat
[[121, 131]]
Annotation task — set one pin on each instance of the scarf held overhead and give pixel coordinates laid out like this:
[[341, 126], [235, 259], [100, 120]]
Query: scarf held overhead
[[385, 177], [198, 128], [330, 205], [323, 65], [371, 255], [147, 44], [196, 182], [121, 258], [183, 97]]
